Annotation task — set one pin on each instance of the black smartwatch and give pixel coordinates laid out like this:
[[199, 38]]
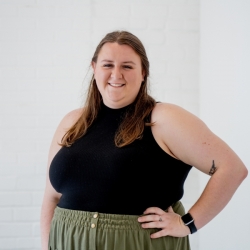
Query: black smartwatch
[[189, 221]]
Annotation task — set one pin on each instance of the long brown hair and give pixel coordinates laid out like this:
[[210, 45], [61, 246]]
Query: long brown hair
[[136, 118]]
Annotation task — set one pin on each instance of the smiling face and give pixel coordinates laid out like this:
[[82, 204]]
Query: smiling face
[[118, 74]]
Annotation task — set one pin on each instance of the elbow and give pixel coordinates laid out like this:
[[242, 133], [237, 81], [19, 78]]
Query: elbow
[[242, 173], [239, 174]]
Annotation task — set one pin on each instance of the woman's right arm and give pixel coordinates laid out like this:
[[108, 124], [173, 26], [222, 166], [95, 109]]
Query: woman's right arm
[[51, 197]]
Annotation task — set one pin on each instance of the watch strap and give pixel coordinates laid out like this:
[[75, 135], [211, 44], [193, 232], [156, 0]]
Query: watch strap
[[189, 222]]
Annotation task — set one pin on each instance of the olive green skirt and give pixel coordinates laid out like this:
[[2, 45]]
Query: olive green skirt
[[80, 230]]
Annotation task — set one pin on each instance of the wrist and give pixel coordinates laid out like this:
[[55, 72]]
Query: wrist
[[188, 221]]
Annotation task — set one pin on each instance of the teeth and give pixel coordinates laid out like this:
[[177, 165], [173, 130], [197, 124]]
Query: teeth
[[116, 84]]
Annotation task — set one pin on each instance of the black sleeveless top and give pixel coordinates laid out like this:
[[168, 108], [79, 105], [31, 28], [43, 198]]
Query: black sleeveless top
[[94, 175]]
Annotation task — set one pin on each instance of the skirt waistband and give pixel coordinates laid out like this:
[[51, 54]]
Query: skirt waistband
[[108, 221], [88, 219]]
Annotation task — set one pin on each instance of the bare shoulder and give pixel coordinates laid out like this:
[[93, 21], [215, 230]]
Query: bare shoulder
[[173, 120], [172, 124], [66, 123], [172, 113], [70, 118], [188, 137]]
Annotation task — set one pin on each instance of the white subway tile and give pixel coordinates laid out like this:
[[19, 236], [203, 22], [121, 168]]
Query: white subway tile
[[18, 2], [17, 23], [115, 10], [15, 229], [36, 229], [8, 243], [6, 214], [176, 24], [138, 23], [15, 199], [7, 183], [149, 10], [26, 214], [8, 10], [36, 11], [107, 24], [192, 25], [37, 197], [8, 35], [30, 182], [79, 10], [54, 23], [157, 23]]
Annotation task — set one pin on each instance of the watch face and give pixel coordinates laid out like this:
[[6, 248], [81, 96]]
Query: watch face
[[187, 218]]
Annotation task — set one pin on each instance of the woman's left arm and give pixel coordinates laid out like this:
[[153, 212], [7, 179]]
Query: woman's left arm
[[191, 141]]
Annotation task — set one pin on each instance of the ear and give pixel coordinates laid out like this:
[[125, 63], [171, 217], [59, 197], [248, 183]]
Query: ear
[[93, 65]]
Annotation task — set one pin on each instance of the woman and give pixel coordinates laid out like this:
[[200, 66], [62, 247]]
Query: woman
[[117, 167]]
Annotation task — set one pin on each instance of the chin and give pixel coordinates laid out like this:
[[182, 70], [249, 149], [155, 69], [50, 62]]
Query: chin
[[115, 104]]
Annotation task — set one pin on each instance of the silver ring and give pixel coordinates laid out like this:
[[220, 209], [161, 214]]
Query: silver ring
[[160, 219]]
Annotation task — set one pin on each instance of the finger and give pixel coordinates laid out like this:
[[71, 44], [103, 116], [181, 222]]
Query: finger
[[158, 234], [154, 224], [149, 218], [153, 210]]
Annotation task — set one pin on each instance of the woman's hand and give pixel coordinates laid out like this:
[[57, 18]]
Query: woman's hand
[[169, 222]]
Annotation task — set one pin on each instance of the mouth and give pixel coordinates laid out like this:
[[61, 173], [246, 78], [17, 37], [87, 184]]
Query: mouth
[[116, 84]]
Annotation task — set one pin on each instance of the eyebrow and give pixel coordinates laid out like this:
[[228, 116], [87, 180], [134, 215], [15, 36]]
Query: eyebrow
[[105, 60]]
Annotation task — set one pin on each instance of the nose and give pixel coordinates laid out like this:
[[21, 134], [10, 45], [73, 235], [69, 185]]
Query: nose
[[116, 73]]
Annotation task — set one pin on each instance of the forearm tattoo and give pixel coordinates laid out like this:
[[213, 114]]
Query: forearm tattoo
[[213, 169]]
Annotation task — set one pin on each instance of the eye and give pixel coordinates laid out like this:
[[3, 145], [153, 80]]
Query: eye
[[107, 65], [127, 67]]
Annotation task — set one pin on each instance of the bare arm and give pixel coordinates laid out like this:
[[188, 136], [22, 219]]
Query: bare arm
[[48, 206], [51, 197], [218, 191], [188, 139]]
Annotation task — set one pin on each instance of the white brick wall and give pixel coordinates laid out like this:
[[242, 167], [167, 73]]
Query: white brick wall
[[45, 51]]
